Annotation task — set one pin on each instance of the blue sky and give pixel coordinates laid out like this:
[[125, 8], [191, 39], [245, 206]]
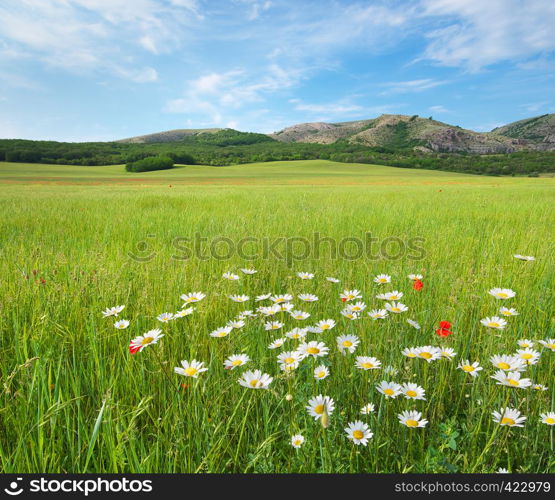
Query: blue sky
[[106, 69]]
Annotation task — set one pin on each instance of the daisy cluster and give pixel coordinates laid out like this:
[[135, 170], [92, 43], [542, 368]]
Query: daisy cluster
[[271, 311]]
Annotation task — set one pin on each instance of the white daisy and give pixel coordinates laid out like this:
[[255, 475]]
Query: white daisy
[[297, 441], [239, 298], [413, 391], [415, 277], [414, 324], [305, 276], [505, 311], [507, 363], [378, 314], [511, 379], [235, 360], [300, 315], [307, 297], [273, 325], [412, 419], [396, 307], [367, 409], [142, 341], [190, 298], [319, 406], [230, 276], [382, 279], [248, 271], [331, 279], [529, 356], [548, 344], [223, 331], [280, 299], [524, 257], [428, 352], [321, 372], [347, 313], [470, 368], [112, 311], [548, 418], [277, 343], [289, 360], [260, 298], [502, 293], [494, 322], [183, 312], [122, 324], [313, 348], [395, 295], [347, 343], [509, 416], [297, 333], [447, 352], [358, 432], [367, 363], [349, 295], [389, 389], [325, 324], [190, 369], [255, 380]]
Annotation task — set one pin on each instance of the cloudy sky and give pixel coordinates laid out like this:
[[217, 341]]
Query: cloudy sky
[[106, 69]]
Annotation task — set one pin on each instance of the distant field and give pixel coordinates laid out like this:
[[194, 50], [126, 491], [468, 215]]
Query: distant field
[[74, 399]]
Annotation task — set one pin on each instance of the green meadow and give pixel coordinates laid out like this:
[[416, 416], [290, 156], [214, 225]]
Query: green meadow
[[77, 240]]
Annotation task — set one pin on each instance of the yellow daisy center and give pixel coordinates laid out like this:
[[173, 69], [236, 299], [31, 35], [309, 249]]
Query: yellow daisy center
[[426, 355], [147, 340], [411, 394], [507, 421], [347, 343], [297, 442], [313, 350], [395, 309], [389, 392], [526, 355], [493, 324], [550, 420], [513, 382], [411, 423], [289, 360], [237, 362], [503, 365], [503, 295], [254, 382], [468, 368], [319, 409], [367, 365], [358, 434], [393, 297], [190, 371], [412, 355]]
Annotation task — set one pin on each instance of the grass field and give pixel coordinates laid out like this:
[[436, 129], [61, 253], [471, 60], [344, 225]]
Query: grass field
[[74, 398]]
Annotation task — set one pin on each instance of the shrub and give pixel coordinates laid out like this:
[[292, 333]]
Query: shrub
[[149, 164]]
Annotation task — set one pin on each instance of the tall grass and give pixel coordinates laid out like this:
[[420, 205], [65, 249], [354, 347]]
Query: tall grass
[[74, 399]]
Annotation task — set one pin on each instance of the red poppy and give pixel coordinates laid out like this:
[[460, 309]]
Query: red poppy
[[343, 299], [443, 330], [418, 285], [134, 348]]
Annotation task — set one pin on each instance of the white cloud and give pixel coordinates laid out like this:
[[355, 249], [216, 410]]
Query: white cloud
[[411, 86], [438, 109], [481, 33]]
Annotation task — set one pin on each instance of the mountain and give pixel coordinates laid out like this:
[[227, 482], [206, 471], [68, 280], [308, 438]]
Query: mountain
[[390, 132], [539, 131], [403, 132], [176, 135]]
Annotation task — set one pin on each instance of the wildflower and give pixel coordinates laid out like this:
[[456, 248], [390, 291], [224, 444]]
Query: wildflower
[[319, 406], [390, 295], [502, 470], [289, 360], [142, 341], [470, 368], [224, 331], [122, 324], [280, 299], [255, 380], [300, 315], [272, 325], [548, 418], [313, 348], [367, 363], [447, 352], [410, 352], [236, 360], [190, 369], [349, 295], [524, 343], [382, 279], [358, 432], [507, 363], [511, 379], [183, 312], [260, 298], [239, 298], [389, 389], [269, 311], [502, 293], [297, 440], [165, 317], [297, 333], [367, 409], [321, 372], [332, 279], [230, 276], [112, 311], [428, 352], [390, 370], [509, 417], [415, 277], [444, 329], [347, 343], [494, 322], [356, 307], [326, 324], [418, 285], [524, 257], [307, 297], [190, 298], [413, 391], [548, 344], [412, 419], [246, 314], [347, 313], [378, 314], [248, 271], [505, 311], [396, 307], [529, 356], [236, 324], [414, 324], [277, 343], [539, 387], [305, 276]]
